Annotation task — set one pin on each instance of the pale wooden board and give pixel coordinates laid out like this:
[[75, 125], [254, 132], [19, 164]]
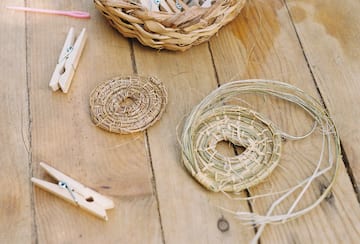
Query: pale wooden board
[[330, 33], [64, 136], [188, 212], [262, 44], [15, 198]]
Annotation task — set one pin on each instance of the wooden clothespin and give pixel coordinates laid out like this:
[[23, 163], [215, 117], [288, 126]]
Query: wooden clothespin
[[74, 192], [68, 61]]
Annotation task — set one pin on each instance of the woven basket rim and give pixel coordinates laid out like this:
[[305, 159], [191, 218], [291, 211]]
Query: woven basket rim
[[178, 30]]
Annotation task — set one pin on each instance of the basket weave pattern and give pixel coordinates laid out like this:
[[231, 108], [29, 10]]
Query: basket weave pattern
[[175, 25]]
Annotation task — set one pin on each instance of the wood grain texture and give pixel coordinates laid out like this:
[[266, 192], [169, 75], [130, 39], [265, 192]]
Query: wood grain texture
[[156, 200], [189, 213], [15, 197], [330, 34], [262, 43], [64, 137]]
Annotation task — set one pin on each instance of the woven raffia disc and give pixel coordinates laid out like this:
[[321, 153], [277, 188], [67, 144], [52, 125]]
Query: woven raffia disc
[[127, 104], [242, 127], [221, 117], [218, 118]]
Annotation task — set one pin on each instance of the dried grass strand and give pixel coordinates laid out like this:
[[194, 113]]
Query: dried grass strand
[[217, 118]]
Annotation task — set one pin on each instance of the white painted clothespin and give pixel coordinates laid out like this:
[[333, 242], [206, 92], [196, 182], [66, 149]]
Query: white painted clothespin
[[74, 192], [68, 61]]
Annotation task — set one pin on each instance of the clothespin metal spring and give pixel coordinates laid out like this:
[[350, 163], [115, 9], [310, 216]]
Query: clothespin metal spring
[[63, 184]]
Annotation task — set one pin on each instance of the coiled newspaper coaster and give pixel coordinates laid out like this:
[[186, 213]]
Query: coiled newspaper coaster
[[127, 104], [219, 118]]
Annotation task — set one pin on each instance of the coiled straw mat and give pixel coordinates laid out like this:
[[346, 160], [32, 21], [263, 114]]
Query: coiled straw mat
[[169, 24], [219, 117], [127, 104]]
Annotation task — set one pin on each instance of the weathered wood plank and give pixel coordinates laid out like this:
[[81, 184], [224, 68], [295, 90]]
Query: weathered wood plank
[[15, 200], [263, 44], [259, 44], [189, 213], [64, 136], [329, 32]]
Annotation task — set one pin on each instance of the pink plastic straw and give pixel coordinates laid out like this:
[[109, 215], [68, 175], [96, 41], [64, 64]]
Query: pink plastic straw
[[75, 14]]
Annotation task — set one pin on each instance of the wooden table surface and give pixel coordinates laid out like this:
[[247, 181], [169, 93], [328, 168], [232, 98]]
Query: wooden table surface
[[312, 44]]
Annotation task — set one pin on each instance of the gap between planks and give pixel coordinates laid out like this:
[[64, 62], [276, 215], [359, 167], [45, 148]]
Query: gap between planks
[[148, 150], [347, 165], [248, 194], [34, 231]]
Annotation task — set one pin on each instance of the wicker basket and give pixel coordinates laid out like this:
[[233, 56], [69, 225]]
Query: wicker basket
[[169, 24]]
